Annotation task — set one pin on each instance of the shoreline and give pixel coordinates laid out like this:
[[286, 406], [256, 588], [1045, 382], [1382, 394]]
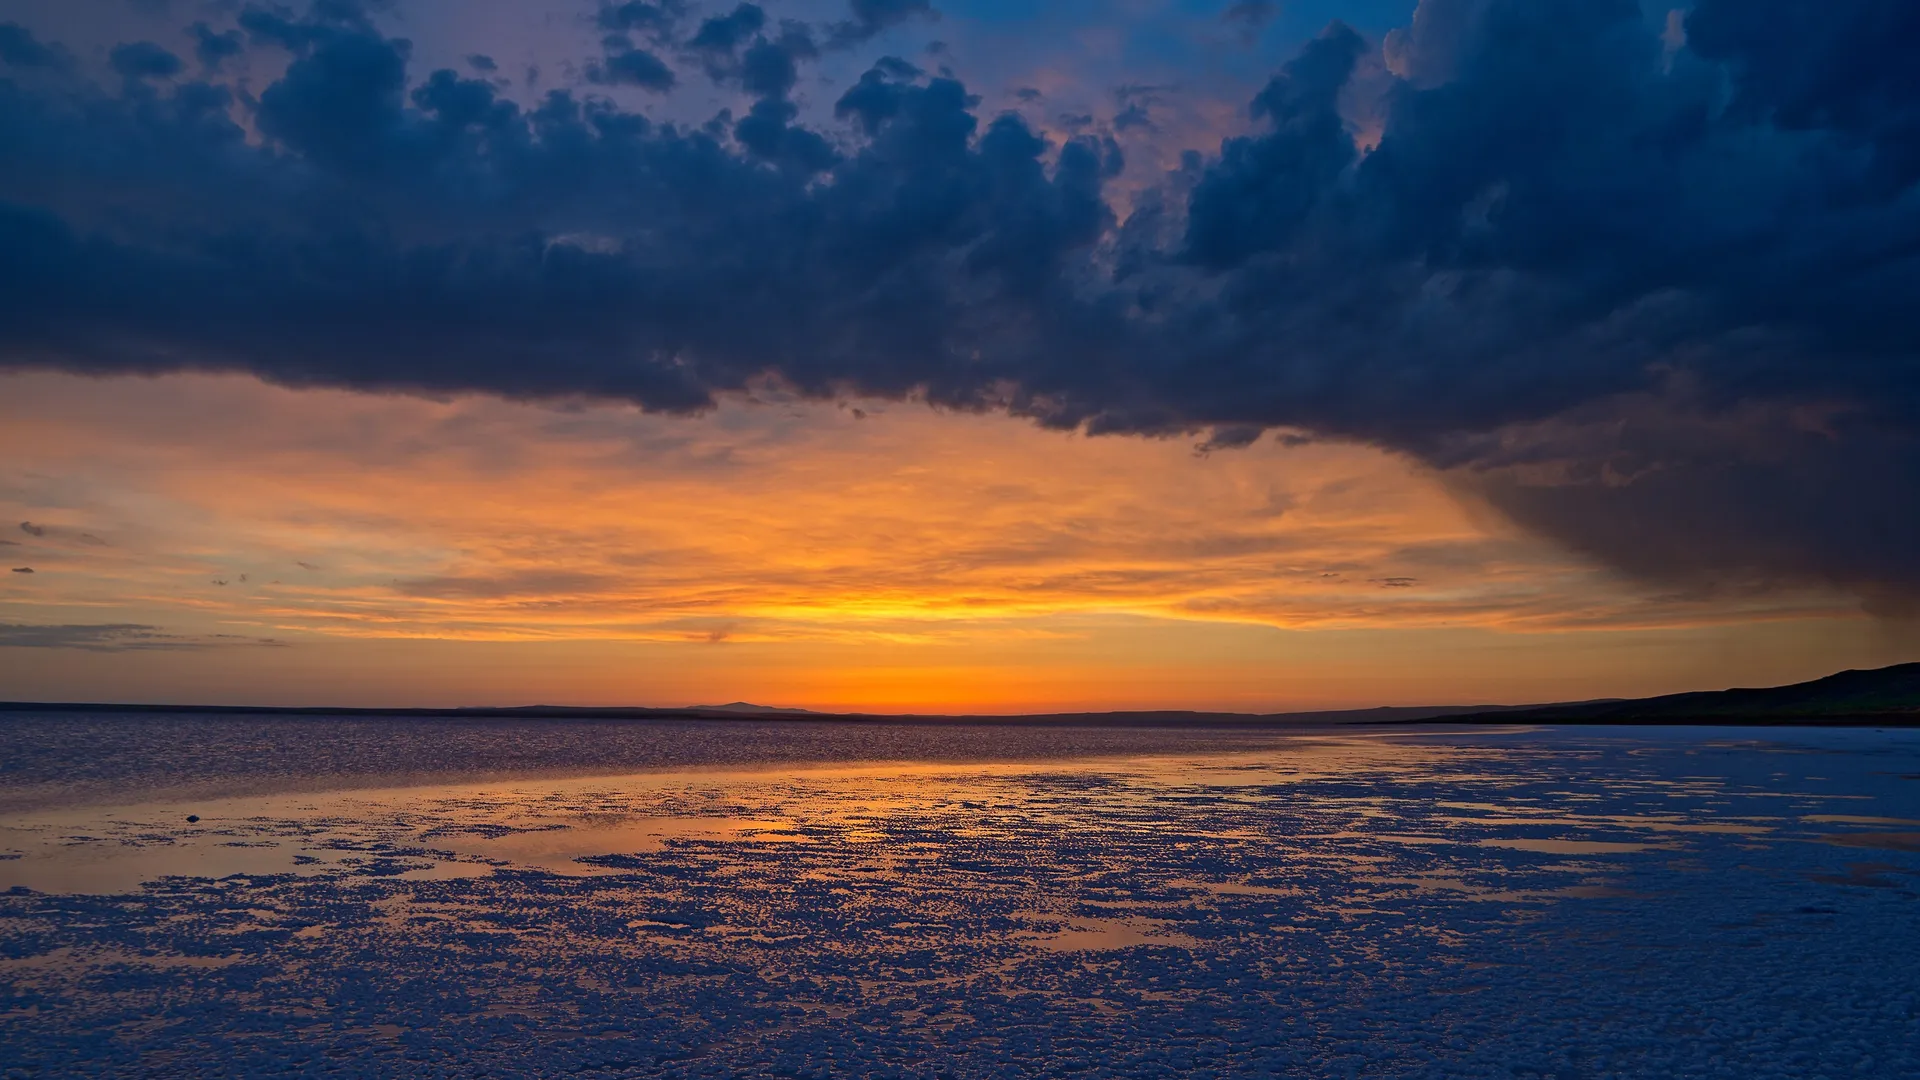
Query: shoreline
[[1384, 716]]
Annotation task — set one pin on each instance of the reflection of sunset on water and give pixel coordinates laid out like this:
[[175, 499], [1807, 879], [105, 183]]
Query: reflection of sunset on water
[[1439, 881]]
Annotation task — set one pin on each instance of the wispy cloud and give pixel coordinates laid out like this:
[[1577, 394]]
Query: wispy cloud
[[486, 520], [116, 637]]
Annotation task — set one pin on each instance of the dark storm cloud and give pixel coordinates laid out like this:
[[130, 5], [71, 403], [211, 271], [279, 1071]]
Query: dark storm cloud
[[212, 49], [634, 67], [20, 49], [145, 60], [742, 47], [657, 21], [445, 239], [1264, 189], [325, 20], [1645, 290], [726, 33], [872, 17]]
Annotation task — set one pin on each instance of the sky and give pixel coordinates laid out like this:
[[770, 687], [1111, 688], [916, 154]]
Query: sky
[[931, 355]]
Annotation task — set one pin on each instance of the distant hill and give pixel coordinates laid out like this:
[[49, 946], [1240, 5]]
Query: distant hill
[[747, 706], [1886, 697]]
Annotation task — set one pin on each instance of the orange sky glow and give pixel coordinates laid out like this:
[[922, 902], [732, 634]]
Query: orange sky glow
[[879, 556]]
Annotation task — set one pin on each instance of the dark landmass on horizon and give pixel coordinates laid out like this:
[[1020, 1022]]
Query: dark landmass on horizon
[[1879, 697], [1876, 697]]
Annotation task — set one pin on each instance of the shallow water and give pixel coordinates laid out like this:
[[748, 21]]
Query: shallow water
[[1570, 902]]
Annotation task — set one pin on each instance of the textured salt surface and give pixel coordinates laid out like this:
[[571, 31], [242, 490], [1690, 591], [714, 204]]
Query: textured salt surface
[[1573, 903]]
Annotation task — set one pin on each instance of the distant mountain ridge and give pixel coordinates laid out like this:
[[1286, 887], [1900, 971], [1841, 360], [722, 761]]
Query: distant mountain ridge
[[747, 707], [1888, 696]]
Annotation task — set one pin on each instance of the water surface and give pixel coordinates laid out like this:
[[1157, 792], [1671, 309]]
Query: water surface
[[735, 900]]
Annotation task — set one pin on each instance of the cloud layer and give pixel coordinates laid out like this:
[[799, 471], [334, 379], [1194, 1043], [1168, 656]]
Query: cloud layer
[[113, 637], [776, 523], [1639, 280]]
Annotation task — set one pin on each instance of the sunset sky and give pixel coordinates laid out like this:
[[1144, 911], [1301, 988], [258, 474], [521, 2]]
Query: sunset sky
[[957, 356]]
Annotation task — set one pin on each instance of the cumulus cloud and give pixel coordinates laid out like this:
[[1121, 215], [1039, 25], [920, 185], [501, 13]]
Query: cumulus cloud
[[873, 17], [634, 67], [727, 33], [1646, 292], [657, 21]]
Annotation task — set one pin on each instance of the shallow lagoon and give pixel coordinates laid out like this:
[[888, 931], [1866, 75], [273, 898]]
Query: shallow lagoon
[[967, 902]]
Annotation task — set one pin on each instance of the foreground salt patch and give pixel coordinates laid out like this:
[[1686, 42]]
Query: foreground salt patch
[[1559, 904]]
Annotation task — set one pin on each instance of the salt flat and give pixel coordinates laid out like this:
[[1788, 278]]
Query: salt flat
[[1550, 902]]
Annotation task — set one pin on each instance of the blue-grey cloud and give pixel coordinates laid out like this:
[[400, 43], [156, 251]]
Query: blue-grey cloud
[[19, 48], [873, 17], [1646, 291], [632, 66], [212, 49], [145, 60], [515, 585], [95, 637], [117, 637], [727, 33], [657, 21], [1250, 16]]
